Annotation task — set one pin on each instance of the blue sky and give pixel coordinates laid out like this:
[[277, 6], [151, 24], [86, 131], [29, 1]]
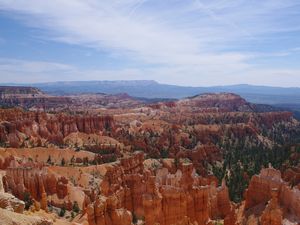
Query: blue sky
[[190, 42]]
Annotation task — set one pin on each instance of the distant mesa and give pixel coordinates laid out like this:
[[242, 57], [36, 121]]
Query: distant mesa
[[13, 90], [32, 98]]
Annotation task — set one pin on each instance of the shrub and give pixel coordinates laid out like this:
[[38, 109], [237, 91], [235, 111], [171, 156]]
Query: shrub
[[28, 200], [134, 218], [76, 208], [49, 161], [62, 212], [63, 162]]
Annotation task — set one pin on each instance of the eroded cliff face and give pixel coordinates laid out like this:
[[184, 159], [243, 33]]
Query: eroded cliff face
[[125, 191], [270, 200], [159, 196], [19, 128], [156, 192], [12, 208], [8, 201], [37, 182]]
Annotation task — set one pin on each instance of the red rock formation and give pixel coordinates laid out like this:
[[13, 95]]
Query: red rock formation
[[289, 199], [200, 155], [220, 204], [33, 99], [5, 161], [163, 198], [231, 218], [152, 203], [8, 201], [259, 190], [105, 211], [225, 101], [37, 182], [268, 186], [29, 128], [270, 118], [292, 175], [11, 203], [62, 187], [272, 215]]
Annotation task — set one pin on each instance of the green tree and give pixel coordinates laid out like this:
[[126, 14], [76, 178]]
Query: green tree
[[75, 207], [49, 161], [62, 212], [134, 218], [28, 200], [63, 162]]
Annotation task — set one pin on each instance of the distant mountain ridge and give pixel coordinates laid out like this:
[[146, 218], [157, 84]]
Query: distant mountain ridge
[[152, 89]]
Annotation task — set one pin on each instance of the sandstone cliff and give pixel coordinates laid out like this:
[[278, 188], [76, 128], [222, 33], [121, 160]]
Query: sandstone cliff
[[19, 128], [277, 200]]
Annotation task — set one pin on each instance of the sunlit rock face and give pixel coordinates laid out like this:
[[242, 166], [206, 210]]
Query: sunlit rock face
[[159, 196], [277, 201]]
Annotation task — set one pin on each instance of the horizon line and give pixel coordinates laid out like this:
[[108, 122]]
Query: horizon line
[[141, 80]]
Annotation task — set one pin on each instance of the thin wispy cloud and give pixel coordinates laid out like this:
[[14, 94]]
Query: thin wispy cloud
[[25, 70], [25, 66], [41, 71], [199, 38]]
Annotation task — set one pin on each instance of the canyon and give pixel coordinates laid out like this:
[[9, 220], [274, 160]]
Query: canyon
[[97, 159]]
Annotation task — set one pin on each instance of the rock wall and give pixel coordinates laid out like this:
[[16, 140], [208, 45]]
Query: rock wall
[[290, 200], [157, 196], [126, 192], [8, 201], [268, 188], [272, 215], [35, 181], [259, 190], [105, 211], [20, 128]]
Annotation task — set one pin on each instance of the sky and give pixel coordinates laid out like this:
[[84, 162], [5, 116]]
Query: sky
[[182, 42]]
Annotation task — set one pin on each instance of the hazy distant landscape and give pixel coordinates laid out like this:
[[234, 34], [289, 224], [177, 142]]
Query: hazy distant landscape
[[282, 98], [153, 89]]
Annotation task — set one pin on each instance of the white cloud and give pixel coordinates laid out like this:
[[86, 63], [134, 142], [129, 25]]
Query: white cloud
[[26, 66], [147, 37], [27, 71], [181, 39]]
